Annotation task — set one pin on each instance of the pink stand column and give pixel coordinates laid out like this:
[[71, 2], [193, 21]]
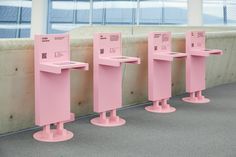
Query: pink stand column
[[107, 59], [52, 86], [159, 71], [196, 65]]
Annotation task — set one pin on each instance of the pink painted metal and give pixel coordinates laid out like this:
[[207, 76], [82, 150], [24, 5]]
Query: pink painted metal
[[160, 57], [196, 65], [107, 81], [52, 86]]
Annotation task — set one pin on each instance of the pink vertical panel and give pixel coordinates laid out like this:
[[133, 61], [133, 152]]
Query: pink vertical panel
[[107, 79], [160, 57], [159, 71], [52, 93], [195, 66]]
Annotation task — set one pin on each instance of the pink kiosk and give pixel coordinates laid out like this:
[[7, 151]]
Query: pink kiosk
[[52, 86], [107, 58], [160, 57], [195, 66]]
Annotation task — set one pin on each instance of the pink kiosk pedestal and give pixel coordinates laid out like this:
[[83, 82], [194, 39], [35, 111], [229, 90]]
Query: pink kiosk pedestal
[[195, 66], [159, 71], [52, 86], [107, 60]]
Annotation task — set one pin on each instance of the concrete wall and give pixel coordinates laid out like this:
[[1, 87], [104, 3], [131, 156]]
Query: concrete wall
[[17, 74]]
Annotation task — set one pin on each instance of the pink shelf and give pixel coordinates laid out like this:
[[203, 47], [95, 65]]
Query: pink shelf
[[168, 56], [206, 53], [57, 67], [118, 60]]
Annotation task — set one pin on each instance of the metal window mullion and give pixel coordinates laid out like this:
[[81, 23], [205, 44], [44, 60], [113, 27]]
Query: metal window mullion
[[138, 12], [49, 15], [91, 12], [75, 12], [225, 13], [103, 14], [163, 12], [18, 19]]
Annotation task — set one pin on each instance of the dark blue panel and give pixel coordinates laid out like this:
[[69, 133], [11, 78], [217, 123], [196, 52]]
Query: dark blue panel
[[97, 13], [59, 14], [97, 16], [24, 33], [119, 16], [7, 33], [175, 16], [8, 14], [209, 19], [150, 15], [82, 16], [26, 15], [113, 15]]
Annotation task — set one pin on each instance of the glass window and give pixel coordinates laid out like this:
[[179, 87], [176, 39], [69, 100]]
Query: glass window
[[83, 11], [6, 31], [114, 12], [8, 11], [231, 12], [150, 12], [65, 15], [219, 12], [175, 12], [15, 18], [163, 12], [213, 12], [98, 12], [61, 11]]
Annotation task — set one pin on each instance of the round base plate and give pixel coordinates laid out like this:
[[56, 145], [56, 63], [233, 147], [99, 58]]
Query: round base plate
[[109, 123], [40, 136], [160, 109], [196, 101]]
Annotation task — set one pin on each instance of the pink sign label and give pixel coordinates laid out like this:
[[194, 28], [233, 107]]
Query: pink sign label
[[109, 44], [54, 47], [161, 42], [197, 40]]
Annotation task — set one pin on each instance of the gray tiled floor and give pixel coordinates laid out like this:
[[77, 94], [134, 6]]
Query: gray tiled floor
[[195, 130]]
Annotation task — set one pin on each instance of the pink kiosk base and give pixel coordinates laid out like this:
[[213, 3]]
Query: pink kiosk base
[[107, 82], [160, 58], [196, 98], [196, 65], [52, 86], [160, 107], [105, 121], [53, 135]]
